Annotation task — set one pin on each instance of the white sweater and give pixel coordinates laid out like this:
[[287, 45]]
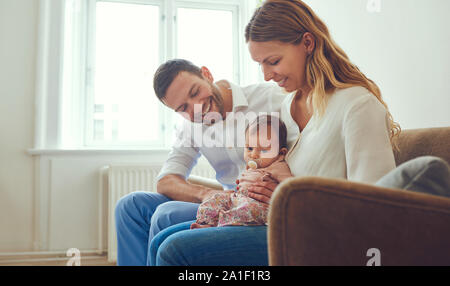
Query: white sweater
[[351, 140]]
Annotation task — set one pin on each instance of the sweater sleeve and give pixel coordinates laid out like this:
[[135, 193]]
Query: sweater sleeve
[[368, 150]]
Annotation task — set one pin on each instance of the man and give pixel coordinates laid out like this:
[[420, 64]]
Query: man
[[213, 110]]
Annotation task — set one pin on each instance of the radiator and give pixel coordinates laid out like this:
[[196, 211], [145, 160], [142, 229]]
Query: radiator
[[116, 181]]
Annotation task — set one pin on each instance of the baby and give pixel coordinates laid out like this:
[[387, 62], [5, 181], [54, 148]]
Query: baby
[[265, 149]]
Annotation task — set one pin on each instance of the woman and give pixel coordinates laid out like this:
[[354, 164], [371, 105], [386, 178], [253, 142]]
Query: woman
[[346, 129]]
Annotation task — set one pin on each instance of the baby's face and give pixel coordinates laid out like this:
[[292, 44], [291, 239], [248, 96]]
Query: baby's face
[[261, 147]]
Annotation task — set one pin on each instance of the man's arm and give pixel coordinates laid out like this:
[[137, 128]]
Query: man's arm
[[182, 158], [177, 188]]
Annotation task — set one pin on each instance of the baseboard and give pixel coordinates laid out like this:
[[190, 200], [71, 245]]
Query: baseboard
[[53, 258]]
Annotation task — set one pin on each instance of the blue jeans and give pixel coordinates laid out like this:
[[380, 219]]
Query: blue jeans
[[139, 217], [214, 246]]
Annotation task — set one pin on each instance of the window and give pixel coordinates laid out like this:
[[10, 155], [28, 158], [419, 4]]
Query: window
[[124, 44], [96, 60], [213, 46], [109, 50]]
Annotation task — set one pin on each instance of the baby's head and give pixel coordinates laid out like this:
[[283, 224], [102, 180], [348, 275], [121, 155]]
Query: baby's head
[[265, 141]]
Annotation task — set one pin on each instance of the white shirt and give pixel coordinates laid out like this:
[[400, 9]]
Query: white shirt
[[286, 117], [351, 140], [223, 151]]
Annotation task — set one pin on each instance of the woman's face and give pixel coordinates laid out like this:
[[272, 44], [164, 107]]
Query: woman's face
[[283, 63]]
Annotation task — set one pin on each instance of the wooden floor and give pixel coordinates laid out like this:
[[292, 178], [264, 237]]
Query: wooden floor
[[54, 259]]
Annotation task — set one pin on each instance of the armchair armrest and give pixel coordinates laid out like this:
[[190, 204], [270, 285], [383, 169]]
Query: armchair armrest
[[318, 221], [210, 183]]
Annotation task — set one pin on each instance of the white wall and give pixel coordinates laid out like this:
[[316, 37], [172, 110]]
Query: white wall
[[404, 48], [17, 65], [67, 197]]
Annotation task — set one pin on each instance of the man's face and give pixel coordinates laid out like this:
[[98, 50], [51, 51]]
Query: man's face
[[194, 98]]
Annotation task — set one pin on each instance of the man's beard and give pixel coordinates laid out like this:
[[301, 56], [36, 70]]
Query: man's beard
[[217, 99]]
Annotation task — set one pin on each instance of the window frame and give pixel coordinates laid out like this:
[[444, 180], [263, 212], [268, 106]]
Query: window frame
[[54, 128], [230, 6], [89, 93]]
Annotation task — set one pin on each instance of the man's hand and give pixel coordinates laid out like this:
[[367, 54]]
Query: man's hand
[[178, 189]]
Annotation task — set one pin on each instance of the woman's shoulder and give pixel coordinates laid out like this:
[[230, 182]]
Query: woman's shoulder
[[351, 93], [358, 102], [348, 98]]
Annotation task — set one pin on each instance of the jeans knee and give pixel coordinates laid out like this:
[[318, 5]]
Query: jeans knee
[[163, 213], [170, 252], [439, 163], [173, 212], [127, 204]]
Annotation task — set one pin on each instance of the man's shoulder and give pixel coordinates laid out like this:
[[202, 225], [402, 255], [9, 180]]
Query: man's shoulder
[[223, 83], [264, 93], [264, 87]]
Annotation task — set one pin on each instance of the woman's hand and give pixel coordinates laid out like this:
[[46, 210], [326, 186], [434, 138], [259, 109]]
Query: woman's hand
[[262, 191]]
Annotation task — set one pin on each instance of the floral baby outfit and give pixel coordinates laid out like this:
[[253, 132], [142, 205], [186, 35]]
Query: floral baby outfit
[[237, 208]]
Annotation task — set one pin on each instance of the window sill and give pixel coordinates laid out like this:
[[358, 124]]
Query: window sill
[[90, 152]]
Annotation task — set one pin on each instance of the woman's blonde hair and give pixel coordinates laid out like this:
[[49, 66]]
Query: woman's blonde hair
[[328, 67]]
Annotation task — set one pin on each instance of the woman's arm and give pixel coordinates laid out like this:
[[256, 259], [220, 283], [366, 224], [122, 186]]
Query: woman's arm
[[368, 150], [262, 191]]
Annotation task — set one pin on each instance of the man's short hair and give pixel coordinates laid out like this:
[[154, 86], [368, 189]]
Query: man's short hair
[[167, 72]]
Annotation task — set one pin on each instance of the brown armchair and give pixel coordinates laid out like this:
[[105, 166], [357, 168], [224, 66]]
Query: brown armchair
[[317, 221]]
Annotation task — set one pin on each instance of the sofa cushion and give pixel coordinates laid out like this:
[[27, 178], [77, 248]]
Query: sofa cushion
[[426, 174], [414, 143]]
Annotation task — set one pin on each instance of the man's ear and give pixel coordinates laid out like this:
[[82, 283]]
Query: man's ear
[[283, 151], [207, 74]]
